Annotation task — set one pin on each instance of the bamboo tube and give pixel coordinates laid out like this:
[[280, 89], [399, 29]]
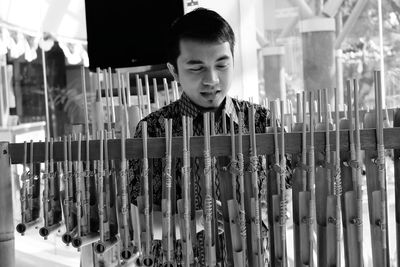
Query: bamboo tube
[[86, 206], [142, 104], [139, 95], [325, 199], [276, 199], [208, 198], [100, 189], [282, 166], [79, 188], [31, 181], [241, 186], [338, 182], [233, 206], [327, 142], [359, 192], [156, 94], [396, 123], [214, 221], [52, 205], [146, 82], [299, 117], [175, 91], [126, 251], [234, 164], [108, 115], [381, 165], [304, 143], [46, 93], [304, 197], [186, 189], [123, 109], [351, 214], [107, 173], [167, 202], [255, 198], [311, 161], [128, 90], [98, 110], [291, 116], [42, 231], [167, 101], [111, 88], [24, 178], [146, 193], [297, 185]]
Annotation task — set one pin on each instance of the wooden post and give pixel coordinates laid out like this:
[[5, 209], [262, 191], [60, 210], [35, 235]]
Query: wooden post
[[7, 245], [318, 36], [273, 68]]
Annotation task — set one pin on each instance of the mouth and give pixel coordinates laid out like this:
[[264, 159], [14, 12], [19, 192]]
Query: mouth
[[210, 94]]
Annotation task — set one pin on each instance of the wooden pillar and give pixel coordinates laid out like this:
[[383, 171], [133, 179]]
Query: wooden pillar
[[7, 246], [274, 80], [318, 36]]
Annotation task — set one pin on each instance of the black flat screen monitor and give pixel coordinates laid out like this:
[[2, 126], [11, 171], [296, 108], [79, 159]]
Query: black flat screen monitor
[[126, 33]]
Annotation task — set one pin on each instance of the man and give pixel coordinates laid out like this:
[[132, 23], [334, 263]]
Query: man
[[201, 59]]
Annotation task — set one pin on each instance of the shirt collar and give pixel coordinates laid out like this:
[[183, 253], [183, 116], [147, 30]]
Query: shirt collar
[[188, 108]]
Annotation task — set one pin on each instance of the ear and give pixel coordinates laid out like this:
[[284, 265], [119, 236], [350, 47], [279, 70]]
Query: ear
[[173, 71]]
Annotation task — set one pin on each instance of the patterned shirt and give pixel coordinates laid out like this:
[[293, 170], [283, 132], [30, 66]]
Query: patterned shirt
[[185, 107]]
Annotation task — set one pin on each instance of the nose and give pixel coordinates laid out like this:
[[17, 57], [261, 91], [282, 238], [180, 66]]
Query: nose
[[210, 77]]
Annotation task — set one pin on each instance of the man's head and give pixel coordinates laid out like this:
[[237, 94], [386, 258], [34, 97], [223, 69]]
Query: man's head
[[201, 49]]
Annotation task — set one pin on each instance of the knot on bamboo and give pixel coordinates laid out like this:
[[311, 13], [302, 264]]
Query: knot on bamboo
[[381, 225], [208, 206], [123, 173], [124, 210], [338, 182], [357, 221], [207, 162], [332, 220], [283, 211], [380, 161], [307, 220], [253, 166], [185, 170], [240, 163], [51, 175], [242, 223]]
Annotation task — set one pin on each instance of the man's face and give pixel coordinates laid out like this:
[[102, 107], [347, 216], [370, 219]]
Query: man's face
[[205, 71]]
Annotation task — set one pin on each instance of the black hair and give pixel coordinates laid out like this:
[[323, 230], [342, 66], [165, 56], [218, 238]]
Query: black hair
[[202, 25]]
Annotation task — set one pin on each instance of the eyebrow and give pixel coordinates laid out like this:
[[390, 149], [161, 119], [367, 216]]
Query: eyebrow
[[195, 61]]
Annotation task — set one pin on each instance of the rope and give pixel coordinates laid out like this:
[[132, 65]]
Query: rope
[[338, 182]]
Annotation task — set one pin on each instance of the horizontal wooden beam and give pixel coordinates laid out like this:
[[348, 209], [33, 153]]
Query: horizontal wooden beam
[[220, 145]]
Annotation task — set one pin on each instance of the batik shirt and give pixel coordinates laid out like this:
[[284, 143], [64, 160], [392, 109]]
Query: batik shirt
[[185, 107]]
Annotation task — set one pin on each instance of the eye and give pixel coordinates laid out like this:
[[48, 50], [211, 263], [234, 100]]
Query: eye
[[196, 69], [223, 66]]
